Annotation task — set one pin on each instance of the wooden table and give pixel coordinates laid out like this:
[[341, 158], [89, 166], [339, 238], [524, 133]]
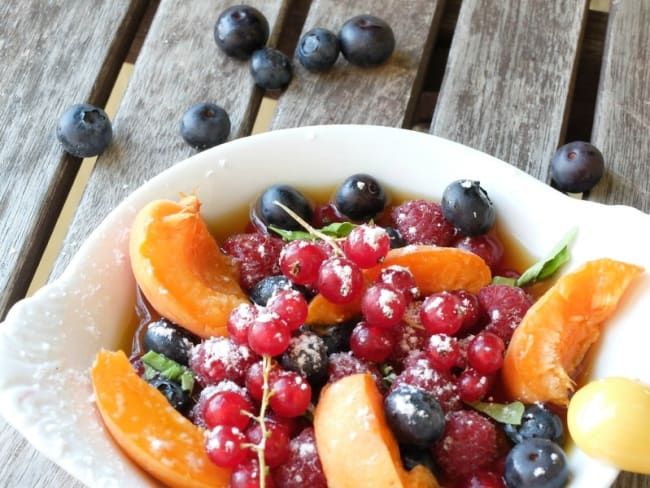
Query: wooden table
[[513, 78]]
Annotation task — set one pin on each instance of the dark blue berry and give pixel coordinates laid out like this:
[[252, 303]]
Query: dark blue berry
[[241, 30], [170, 340], [577, 167], [413, 456], [366, 40], [467, 206], [272, 214], [176, 396], [205, 125], [267, 287], [414, 416], [536, 463], [360, 197], [395, 236], [337, 336], [84, 130], [306, 355], [537, 421], [271, 69], [318, 49]]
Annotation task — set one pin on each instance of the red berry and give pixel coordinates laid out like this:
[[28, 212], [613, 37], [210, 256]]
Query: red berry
[[407, 339], [441, 313], [422, 222], [302, 467], [383, 306], [290, 306], [483, 479], [291, 394], [342, 364], [366, 245], [269, 334], [227, 408], [505, 306], [443, 351], [224, 446], [487, 246], [400, 279], [340, 280], [256, 256], [468, 445], [219, 358], [301, 260], [255, 378], [473, 386], [485, 353], [196, 414], [247, 475], [371, 343], [276, 447], [239, 321], [470, 309], [326, 214]]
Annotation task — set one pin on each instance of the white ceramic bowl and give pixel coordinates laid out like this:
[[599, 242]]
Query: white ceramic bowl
[[49, 341]]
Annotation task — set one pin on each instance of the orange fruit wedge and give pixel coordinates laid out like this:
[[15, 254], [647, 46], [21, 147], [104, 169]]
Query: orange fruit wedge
[[180, 268], [434, 269], [557, 331], [151, 432]]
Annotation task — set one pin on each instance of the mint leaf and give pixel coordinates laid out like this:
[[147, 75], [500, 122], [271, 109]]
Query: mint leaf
[[170, 369], [506, 413], [336, 230], [545, 267]]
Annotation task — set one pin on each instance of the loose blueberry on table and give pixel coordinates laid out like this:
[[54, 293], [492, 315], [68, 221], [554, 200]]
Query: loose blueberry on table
[[205, 125], [241, 30], [84, 130], [403, 347]]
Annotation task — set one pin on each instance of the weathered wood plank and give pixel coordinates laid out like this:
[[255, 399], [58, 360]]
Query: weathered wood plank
[[622, 121], [384, 95], [509, 77], [178, 65], [41, 73]]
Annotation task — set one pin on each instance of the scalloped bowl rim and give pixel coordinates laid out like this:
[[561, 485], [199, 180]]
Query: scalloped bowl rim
[[48, 341]]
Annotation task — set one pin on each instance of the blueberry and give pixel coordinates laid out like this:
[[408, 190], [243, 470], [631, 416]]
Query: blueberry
[[176, 396], [360, 197], [84, 130], [536, 463], [366, 40], [271, 69], [414, 416], [413, 456], [318, 49], [205, 125], [537, 421], [241, 30], [306, 355], [467, 206], [576, 167], [267, 287], [337, 336], [170, 340], [395, 236], [272, 214]]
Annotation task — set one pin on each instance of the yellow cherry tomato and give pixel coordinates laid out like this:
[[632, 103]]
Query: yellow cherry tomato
[[609, 419]]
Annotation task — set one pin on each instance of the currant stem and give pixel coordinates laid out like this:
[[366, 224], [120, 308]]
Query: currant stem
[[266, 394], [315, 232]]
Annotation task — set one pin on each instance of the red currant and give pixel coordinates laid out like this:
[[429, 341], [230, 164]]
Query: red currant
[[366, 245], [487, 246], [300, 261], [400, 279], [470, 309], [224, 446], [383, 306], [269, 334], [247, 475], [326, 214], [473, 386], [255, 378], [291, 394], [485, 353], [290, 306], [340, 280], [276, 448], [371, 343], [227, 408], [443, 352], [441, 313], [240, 319]]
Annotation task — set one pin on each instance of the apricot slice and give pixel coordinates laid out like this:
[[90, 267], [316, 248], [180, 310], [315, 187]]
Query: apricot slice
[[180, 268], [557, 331], [151, 432], [355, 445], [434, 269]]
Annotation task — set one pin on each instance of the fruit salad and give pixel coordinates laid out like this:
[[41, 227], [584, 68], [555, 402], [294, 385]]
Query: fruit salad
[[358, 341]]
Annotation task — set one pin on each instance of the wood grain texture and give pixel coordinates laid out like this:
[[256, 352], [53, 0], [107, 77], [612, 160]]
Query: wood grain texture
[[622, 121], [42, 73], [383, 95], [509, 78], [179, 65]]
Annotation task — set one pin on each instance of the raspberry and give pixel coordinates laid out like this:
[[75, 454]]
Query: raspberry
[[422, 222], [468, 445], [505, 306], [407, 340], [418, 371], [219, 358], [256, 256], [343, 364], [302, 467]]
